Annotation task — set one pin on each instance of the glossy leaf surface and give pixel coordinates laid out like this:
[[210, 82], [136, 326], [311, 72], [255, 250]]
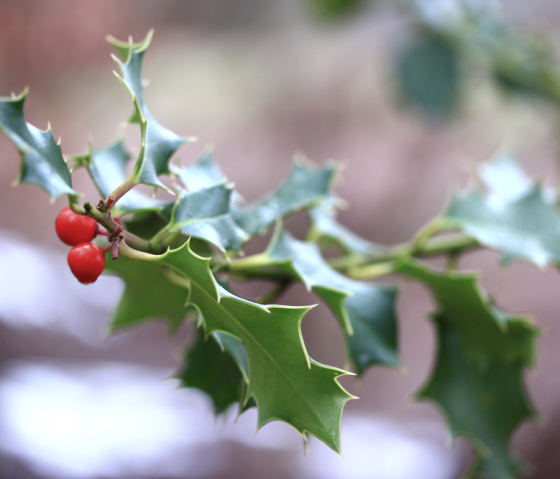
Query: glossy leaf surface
[[42, 163], [285, 383], [365, 311], [158, 143], [206, 214], [147, 294]]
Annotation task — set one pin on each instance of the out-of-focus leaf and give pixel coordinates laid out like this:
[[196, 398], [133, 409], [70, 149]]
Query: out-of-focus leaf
[[527, 228], [212, 370], [524, 66], [158, 143], [325, 228], [428, 75], [485, 334], [286, 384], [505, 180], [147, 295], [484, 403], [42, 163], [520, 62], [477, 379], [335, 9]]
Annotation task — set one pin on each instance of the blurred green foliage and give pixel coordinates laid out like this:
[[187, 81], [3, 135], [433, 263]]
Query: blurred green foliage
[[334, 9], [427, 70]]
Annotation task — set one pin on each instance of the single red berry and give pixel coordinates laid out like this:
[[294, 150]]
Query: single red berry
[[73, 229], [86, 260]]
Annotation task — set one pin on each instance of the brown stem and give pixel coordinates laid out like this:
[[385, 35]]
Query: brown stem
[[115, 248]]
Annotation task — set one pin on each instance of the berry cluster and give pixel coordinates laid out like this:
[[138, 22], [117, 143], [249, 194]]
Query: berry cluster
[[86, 259]]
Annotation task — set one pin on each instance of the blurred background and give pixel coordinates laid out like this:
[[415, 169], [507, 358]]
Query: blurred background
[[397, 91]]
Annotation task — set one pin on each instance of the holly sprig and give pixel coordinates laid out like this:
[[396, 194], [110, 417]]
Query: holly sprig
[[177, 256]]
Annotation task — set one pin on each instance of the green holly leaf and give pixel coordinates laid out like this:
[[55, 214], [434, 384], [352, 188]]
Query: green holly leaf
[[325, 228], [205, 214], [42, 163], [485, 403], [520, 63], [224, 377], [527, 228], [485, 333], [523, 65], [107, 168], [335, 10], [203, 173], [212, 370], [234, 346], [148, 294], [305, 187], [478, 376], [145, 224], [158, 143], [365, 311], [286, 384], [428, 74]]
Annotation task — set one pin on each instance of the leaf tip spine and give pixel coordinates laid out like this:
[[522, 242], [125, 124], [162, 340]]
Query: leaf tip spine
[[117, 60]]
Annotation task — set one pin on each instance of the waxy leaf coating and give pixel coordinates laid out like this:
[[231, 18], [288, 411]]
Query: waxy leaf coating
[[42, 163], [286, 384], [366, 312], [158, 143], [147, 295], [205, 214]]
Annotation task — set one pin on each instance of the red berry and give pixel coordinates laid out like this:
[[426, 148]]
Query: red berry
[[86, 260], [74, 229]]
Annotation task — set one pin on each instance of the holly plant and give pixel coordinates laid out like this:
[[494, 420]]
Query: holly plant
[[176, 258]]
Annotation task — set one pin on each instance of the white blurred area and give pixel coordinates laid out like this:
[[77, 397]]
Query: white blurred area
[[37, 289], [115, 419]]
